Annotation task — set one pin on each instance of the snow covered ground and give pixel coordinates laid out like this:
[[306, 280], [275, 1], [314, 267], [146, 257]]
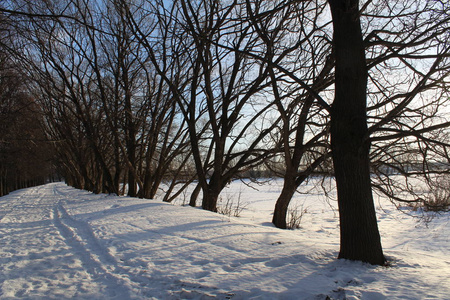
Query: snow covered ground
[[59, 243]]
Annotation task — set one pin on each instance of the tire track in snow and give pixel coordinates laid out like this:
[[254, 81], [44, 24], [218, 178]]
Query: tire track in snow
[[138, 275], [94, 257]]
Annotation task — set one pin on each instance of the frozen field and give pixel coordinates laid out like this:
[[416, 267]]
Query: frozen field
[[60, 243]]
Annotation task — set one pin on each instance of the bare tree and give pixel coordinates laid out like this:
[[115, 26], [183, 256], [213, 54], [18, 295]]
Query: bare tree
[[25, 156], [217, 94], [99, 90], [407, 68], [303, 131], [136, 92], [408, 65], [360, 239]]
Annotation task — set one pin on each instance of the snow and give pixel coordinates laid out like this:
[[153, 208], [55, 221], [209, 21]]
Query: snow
[[57, 242]]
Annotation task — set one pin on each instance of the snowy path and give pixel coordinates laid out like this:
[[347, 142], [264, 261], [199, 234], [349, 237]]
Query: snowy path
[[46, 253], [60, 243]]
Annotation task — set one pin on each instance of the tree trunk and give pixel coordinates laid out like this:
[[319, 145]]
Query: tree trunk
[[360, 239], [131, 184], [194, 195], [131, 152], [281, 207], [210, 199], [212, 191]]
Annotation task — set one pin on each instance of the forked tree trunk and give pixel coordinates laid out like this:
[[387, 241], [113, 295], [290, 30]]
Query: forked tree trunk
[[360, 239]]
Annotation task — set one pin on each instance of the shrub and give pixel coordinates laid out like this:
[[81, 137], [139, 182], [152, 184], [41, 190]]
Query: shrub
[[231, 206], [295, 216], [439, 197]]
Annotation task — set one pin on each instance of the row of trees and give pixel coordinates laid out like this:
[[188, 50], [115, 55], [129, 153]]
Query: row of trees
[[138, 92], [25, 155]]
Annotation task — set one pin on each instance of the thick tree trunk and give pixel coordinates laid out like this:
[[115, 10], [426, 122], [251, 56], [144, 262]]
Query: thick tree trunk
[[212, 192], [210, 199], [281, 207], [360, 239]]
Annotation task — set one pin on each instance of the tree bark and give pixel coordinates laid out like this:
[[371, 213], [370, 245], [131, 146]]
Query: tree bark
[[210, 197], [194, 195], [360, 239], [210, 200], [281, 207]]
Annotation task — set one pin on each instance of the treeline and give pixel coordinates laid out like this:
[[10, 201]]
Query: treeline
[[135, 93], [26, 157]]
